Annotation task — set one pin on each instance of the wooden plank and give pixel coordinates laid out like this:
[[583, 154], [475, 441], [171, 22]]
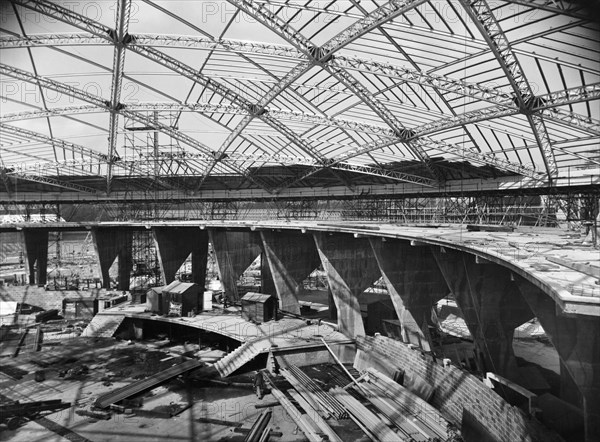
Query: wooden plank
[[303, 421], [324, 426], [408, 401], [397, 417], [370, 420]]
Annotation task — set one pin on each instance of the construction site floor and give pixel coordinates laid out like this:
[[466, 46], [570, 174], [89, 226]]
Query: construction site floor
[[87, 367]]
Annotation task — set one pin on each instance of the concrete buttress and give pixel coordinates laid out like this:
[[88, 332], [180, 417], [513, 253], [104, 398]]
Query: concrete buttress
[[235, 251], [291, 258], [174, 245], [413, 280], [36, 249], [351, 268], [491, 304], [110, 243], [577, 341]]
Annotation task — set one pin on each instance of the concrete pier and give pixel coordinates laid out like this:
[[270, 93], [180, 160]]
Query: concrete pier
[[175, 245], [110, 244], [491, 305], [577, 341], [351, 268], [36, 251], [235, 251], [413, 280], [291, 258]]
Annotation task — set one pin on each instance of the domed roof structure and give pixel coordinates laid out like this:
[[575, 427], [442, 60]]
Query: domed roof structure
[[279, 97]]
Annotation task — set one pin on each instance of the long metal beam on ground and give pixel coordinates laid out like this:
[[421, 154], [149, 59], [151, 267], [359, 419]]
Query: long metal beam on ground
[[119, 394]]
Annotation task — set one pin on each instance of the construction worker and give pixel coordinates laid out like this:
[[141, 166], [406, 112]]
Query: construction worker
[[259, 385]]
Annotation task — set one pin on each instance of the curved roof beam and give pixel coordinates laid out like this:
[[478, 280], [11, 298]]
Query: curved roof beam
[[137, 161], [570, 119], [480, 91], [485, 21], [52, 182], [205, 108]]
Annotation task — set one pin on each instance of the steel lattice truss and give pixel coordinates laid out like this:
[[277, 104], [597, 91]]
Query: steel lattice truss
[[272, 95]]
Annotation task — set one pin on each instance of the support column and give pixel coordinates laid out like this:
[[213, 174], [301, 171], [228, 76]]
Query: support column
[[174, 245], [36, 250], [291, 257], [577, 341], [125, 264], [267, 285], [351, 268], [235, 251], [491, 304], [413, 280], [110, 243]]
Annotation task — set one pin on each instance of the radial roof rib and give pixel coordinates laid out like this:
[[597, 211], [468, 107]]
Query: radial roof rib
[[314, 119], [120, 38], [479, 91], [486, 23]]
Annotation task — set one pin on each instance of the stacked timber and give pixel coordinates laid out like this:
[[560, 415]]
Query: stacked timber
[[260, 430], [368, 421], [324, 403], [409, 426], [312, 413], [424, 416], [304, 422]]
